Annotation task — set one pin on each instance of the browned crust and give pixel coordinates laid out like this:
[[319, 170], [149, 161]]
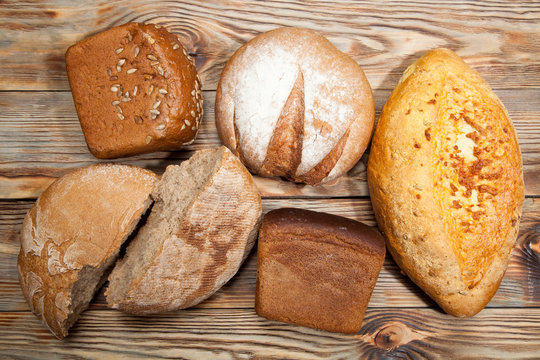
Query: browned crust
[[411, 200], [285, 149], [152, 73], [77, 225], [316, 269]]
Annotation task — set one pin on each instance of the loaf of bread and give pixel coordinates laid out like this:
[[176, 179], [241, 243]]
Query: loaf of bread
[[201, 228], [445, 179], [72, 235], [316, 269], [135, 89], [290, 104]]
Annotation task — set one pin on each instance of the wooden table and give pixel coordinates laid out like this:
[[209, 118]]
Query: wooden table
[[40, 139]]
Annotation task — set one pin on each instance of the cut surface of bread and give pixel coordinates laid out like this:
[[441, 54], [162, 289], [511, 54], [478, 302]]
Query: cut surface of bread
[[202, 226], [72, 235]]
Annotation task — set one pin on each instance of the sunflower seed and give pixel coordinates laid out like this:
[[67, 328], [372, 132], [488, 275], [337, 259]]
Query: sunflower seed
[[113, 78], [148, 76], [192, 113], [109, 72], [193, 128], [131, 71], [119, 50], [150, 89], [135, 90], [114, 89], [148, 139], [188, 123], [154, 111], [126, 99], [119, 109], [184, 51], [160, 127], [156, 104], [136, 51], [130, 37], [183, 127], [115, 102], [192, 92], [163, 91], [176, 47], [126, 94], [160, 70], [154, 63], [122, 117], [151, 57]]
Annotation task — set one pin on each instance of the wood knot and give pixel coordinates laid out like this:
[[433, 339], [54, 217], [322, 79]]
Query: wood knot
[[392, 336]]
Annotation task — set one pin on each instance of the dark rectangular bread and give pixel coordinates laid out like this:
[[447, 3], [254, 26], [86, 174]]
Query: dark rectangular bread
[[316, 269]]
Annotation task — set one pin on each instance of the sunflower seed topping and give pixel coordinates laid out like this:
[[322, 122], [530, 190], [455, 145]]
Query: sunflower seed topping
[[156, 104], [131, 71], [154, 63], [119, 50], [148, 76], [160, 127], [151, 57], [163, 91], [122, 117], [160, 70], [192, 113], [150, 89], [188, 123], [109, 72], [115, 102], [136, 51], [148, 139], [176, 47], [135, 90], [119, 109], [114, 89]]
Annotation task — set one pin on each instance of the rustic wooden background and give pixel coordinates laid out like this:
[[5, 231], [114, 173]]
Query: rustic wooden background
[[40, 139]]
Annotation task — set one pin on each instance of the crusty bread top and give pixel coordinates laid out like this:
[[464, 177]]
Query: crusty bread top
[[293, 84], [345, 232], [445, 177], [78, 222], [135, 89]]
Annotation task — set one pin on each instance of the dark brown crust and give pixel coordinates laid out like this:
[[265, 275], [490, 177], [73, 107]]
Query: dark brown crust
[[284, 152], [316, 269], [161, 64]]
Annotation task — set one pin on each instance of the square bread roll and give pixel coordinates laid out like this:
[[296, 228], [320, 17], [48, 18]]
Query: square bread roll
[[316, 270]]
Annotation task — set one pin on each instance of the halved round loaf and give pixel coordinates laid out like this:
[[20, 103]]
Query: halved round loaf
[[201, 228], [290, 104], [73, 234]]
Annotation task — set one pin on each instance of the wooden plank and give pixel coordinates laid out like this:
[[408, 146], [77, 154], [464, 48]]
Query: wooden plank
[[241, 334], [520, 287], [499, 39], [41, 139]]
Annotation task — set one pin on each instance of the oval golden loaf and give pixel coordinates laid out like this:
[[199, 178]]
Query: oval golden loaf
[[445, 178]]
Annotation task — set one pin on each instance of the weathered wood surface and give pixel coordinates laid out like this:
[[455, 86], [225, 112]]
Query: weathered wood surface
[[498, 38], [40, 140], [389, 333]]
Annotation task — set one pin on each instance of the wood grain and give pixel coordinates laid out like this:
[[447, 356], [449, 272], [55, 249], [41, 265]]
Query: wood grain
[[497, 38], [518, 289], [241, 334], [41, 139]]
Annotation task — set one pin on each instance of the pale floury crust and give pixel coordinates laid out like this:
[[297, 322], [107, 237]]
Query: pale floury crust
[[446, 182], [290, 104], [73, 232]]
